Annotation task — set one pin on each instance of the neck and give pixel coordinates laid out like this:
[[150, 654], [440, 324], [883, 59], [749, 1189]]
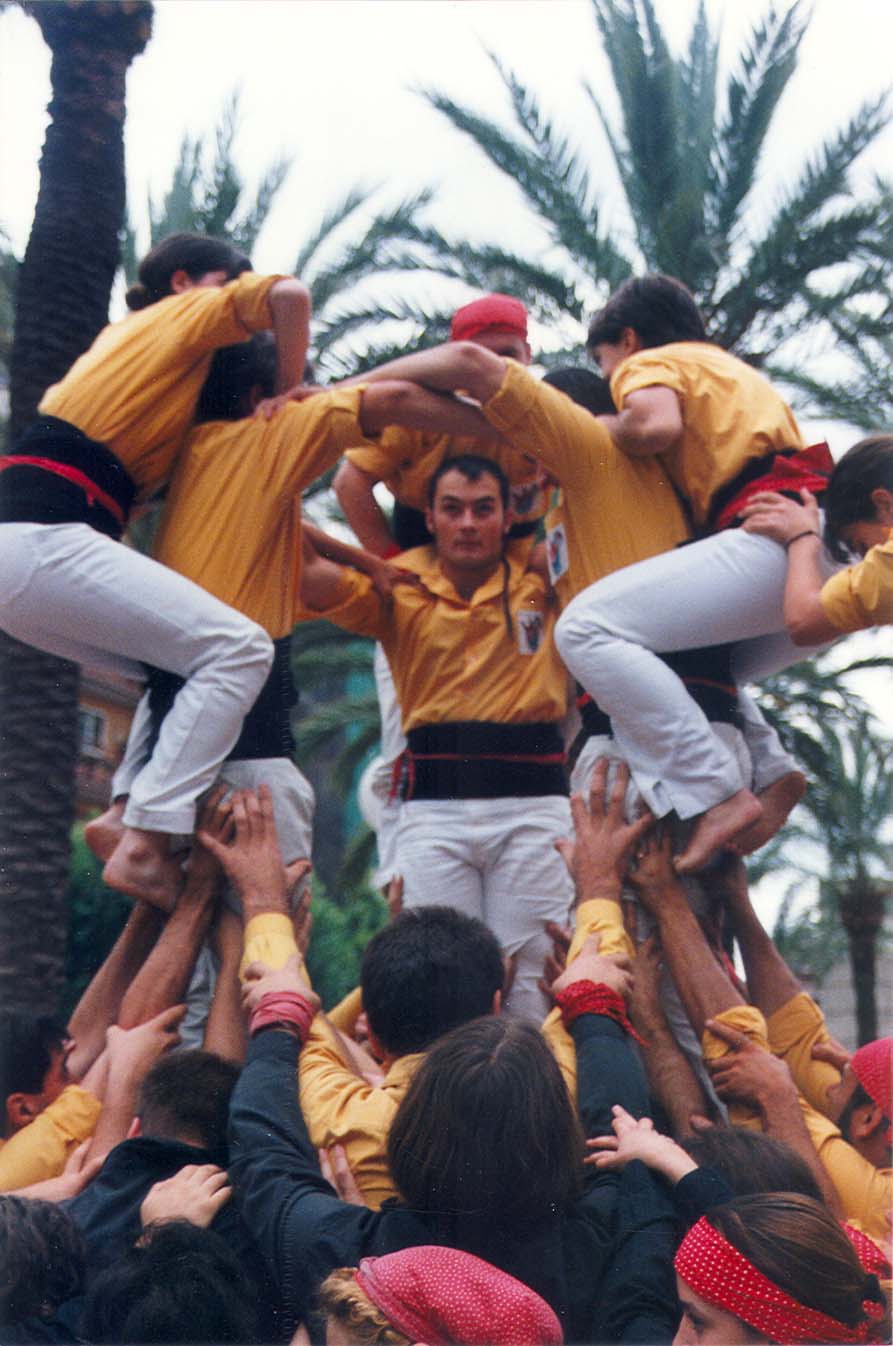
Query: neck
[[466, 581]]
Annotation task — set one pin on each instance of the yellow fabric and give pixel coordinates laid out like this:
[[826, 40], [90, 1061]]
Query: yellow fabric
[[268, 938], [404, 460], [232, 520], [748, 1020], [345, 1014], [452, 658], [596, 917], [862, 595], [136, 388], [793, 1030], [616, 510], [866, 1192], [730, 414], [40, 1149]]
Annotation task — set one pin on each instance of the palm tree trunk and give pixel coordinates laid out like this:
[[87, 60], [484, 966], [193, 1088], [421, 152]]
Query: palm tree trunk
[[862, 914], [62, 298]]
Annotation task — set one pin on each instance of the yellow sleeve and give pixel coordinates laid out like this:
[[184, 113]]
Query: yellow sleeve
[[596, 917], [305, 439], [341, 1108], [359, 608], [382, 458], [345, 1014], [647, 369], [748, 1020], [793, 1030], [269, 938], [862, 595], [40, 1150], [866, 1192]]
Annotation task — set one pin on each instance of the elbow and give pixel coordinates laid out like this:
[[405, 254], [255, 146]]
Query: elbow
[[473, 367], [341, 483], [291, 295]]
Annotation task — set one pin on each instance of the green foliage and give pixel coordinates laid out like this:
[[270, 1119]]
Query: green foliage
[[341, 931], [96, 916]]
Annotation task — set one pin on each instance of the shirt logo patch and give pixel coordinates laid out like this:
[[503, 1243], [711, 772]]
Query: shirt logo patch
[[556, 552], [525, 499], [530, 632]]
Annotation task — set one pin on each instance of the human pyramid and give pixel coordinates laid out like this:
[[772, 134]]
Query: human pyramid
[[551, 1111]]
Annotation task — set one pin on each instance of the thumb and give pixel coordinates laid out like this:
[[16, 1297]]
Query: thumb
[[727, 1034], [700, 1124]]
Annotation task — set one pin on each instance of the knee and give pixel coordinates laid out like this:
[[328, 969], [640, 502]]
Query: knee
[[253, 649], [568, 634]]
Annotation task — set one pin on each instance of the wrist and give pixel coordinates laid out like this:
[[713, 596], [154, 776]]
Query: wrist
[[262, 904], [797, 537], [599, 890]]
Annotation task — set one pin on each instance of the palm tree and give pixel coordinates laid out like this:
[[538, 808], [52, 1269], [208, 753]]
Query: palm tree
[[63, 287]]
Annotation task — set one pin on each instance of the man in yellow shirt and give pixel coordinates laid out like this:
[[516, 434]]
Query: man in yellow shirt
[[482, 692]]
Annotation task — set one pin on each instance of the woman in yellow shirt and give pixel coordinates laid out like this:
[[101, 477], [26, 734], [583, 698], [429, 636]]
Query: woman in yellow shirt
[[105, 438]]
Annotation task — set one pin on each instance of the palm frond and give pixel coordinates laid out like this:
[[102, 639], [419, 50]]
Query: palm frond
[[333, 218]]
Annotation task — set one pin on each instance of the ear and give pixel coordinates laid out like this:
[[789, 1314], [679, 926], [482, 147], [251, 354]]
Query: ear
[[528, 354], [378, 1051], [629, 340], [497, 1003], [20, 1111], [429, 520], [866, 1122], [882, 499], [180, 282]]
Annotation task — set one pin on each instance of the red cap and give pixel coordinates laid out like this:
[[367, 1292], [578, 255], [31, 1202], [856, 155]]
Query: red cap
[[492, 313], [871, 1066], [442, 1296]]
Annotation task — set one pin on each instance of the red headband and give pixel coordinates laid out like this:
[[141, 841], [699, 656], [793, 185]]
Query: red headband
[[723, 1276], [494, 312], [442, 1296], [871, 1066]]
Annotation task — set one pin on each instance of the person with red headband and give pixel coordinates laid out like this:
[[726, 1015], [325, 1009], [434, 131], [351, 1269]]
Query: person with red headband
[[440, 1296]]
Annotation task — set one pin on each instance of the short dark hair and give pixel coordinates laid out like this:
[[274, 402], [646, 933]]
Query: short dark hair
[[862, 469], [487, 1128], [188, 1092], [752, 1162], [43, 1256], [430, 970], [27, 1044], [196, 254], [859, 1098], [180, 1283], [584, 387], [658, 308], [234, 372], [473, 466]]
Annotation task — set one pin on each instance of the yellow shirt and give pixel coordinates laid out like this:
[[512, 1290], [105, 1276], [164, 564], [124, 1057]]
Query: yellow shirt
[[232, 519], [40, 1149], [452, 657], [793, 1030], [730, 414], [862, 595], [404, 460], [616, 510], [136, 388]]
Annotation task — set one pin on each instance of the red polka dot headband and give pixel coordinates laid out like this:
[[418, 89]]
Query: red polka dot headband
[[719, 1273]]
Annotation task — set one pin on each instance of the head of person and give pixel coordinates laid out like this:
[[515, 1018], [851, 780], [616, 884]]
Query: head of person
[[862, 1102], [42, 1256], [435, 1295], [496, 321], [185, 1097], [468, 512], [486, 1129], [775, 1267], [859, 499], [238, 378], [179, 1283], [425, 973], [752, 1162], [183, 262], [644, 311], [584, 387], [32, 1067]]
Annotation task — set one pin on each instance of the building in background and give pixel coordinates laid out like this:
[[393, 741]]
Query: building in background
[[106, 703]]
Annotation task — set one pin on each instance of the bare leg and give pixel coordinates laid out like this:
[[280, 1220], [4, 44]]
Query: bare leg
[[141, 866], [102, 834], [716, 828], [777, 801]]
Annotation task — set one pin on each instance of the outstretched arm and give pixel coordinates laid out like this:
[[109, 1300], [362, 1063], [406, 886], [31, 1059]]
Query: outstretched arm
[[456, 366], [797, 528]]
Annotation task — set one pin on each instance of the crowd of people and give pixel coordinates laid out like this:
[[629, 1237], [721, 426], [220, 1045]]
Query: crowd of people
[[552, 1111]]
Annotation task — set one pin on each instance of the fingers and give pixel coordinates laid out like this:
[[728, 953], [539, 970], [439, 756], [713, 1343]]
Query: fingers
[[603, 1143], [254, 971], [597, 787], [735, 1039], [296, 871], [169, 1019], [700, 1124], [618, 793]]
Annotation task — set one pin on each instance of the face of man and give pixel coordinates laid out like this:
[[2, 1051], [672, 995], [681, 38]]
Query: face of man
[[22, 1108], [838, 1095], [468, 521], [509, 345]]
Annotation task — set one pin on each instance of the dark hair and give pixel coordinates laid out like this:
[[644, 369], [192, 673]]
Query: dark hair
[[487, 1128], [42, 1254], [752, 1162], [862, 469], [658, 308], [188, 1093], [473, 466], [180, 1283], [233, 373], [430, 970], [196, 254], [798, 1244], [859, 1098], [27, 1044], [584, 387]]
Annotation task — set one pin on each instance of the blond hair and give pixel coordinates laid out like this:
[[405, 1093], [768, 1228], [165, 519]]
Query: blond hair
[[341, 1297]]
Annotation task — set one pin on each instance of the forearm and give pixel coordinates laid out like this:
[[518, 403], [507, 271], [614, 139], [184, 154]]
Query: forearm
[[803, 612], [704, 988], [649, 423], [290, 311], [457, 366], [356, 496], [100, 1005], [770, 982], [782, 1117], [342, 553], [225, 1029], [418, 408], [164, 977], [671, 1079]]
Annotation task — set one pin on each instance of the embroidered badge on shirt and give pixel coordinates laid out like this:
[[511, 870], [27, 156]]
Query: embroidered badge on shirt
[[530, 632], [556, 552], [525, 499]]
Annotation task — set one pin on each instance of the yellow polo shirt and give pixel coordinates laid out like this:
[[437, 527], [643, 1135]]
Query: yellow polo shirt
[[136, 388], [40, 1149], [616, 510], [405, 460], [862, 595], [452, 657], [730, 414], [232, 519]]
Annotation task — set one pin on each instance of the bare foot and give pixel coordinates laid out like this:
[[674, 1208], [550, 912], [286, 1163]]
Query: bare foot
[[102, 834], [777, 800], [141, 866], [715, 829]]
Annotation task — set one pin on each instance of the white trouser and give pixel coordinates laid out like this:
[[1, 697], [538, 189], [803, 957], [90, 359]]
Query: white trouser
[[75, 593], [493, 859], [393, 743], [728, 588]]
